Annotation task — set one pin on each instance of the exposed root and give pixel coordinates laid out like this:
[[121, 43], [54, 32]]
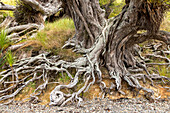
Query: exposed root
[[113, 48], [6, 7]]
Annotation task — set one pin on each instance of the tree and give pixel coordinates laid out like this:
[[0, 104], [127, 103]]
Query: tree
[[110, 43]]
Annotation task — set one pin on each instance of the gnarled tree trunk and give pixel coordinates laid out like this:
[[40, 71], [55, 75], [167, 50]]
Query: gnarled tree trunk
[[111, 42]]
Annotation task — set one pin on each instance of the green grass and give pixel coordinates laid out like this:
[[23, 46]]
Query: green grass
[[10, 58], [117, 5], [4, 41], [61, 24], [55, 34], [5, 55], [53, 37], [3, 45]]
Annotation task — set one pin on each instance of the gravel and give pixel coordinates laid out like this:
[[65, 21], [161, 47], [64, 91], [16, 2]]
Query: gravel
[[97, 105]]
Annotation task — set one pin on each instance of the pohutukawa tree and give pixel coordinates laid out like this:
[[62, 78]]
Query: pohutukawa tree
[[110, 43]]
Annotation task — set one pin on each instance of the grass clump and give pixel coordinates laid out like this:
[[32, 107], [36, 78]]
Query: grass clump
[[4, 41], [54, 35], [5, 55]]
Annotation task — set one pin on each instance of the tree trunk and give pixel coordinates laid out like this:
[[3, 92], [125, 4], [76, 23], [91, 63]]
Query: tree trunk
[[110, 42]]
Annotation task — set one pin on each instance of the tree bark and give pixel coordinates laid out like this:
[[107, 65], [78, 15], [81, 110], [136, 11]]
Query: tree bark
[[106, 41]]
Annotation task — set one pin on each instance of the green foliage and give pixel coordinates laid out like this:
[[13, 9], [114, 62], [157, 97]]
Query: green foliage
[[7, 13], [9, 2], [10, 58], [2, 58], [64, 77], [32, 85], [5, 56], [3, 44], [115, 7], [61, 24], [104, 2], [4, 41]]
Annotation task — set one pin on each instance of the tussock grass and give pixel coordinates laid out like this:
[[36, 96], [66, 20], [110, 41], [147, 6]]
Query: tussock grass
[[53, 37], [4, 41], [55, 34]]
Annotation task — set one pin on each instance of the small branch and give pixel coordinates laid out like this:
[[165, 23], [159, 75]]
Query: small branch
[[49, 9], [6, 7], [6, 22], [161, 64], [140, 38], [21, 27], [15, 47], [159, 56]]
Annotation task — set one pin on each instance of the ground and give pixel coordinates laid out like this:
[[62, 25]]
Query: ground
[[96, 105]]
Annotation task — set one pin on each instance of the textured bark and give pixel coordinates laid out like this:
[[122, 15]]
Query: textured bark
[[46, 8], [106, 41], [5, 24]]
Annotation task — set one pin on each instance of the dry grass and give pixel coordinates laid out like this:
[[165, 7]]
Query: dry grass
[[55, 34], [53, 37]]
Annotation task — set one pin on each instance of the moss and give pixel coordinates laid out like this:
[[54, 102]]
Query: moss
[[32, 85]]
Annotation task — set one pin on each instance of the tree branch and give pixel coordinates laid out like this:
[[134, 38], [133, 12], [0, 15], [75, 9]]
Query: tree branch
[[140, 38], [48, 9], [6, 7]]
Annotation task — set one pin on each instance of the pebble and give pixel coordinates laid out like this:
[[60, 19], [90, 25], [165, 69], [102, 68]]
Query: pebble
[[94, 106]]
